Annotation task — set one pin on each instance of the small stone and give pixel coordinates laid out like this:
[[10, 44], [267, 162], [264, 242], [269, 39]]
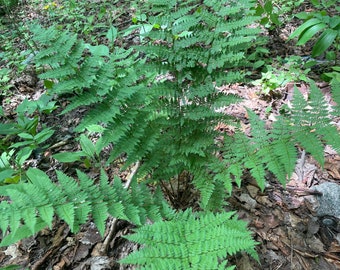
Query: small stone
[[329, 202], [252, 190]]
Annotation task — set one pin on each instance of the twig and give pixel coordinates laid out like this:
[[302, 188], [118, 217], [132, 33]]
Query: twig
[[300, 165], [113, 225]]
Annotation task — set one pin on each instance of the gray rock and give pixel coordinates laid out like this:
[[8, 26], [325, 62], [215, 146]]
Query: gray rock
[[329, 202]]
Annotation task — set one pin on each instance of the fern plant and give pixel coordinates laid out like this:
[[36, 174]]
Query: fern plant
[[159, 103], [161, 109]]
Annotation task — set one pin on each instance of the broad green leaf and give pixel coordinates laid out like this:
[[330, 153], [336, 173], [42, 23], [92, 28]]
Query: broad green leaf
[[8, 129], [304, 26], [25, 135], [145, 29], [69, 156], [335, 23], [310, 32], [275, 19], [336, 68], [23, 155], [112, 33], [258, 64], [304, 16], [20, 144], [324, 42], [268, 6], [6, 174], [37, 176], [13, 180], [43, 135], [87, 146], [100, 144], [95, 128]]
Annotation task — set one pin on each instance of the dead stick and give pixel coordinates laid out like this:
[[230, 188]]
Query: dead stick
[[113, 225]]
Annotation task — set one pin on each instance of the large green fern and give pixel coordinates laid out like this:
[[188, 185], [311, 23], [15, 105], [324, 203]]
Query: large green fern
[[161, 109], [159, 104]]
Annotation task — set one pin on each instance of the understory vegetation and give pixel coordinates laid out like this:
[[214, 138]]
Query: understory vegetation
[[151, 90]]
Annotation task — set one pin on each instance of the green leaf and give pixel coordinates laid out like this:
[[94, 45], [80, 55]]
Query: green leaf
[[23, 155], [37, 176], [112, 34], [303, 27], [20, 144], [268, 6], [29, 216], [304, 16], [5, 159], [87, 146], [145, 29], [69, 156], [8, 129], [13, 180], [6, 174], [48, 84], [25, 136], [335, 23], [310, 32], [275, 19], [324, 42], [258, 64], [43, 135], [95, 128]]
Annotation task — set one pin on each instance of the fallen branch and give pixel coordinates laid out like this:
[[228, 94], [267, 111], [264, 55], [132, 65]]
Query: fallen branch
[[113, 225]]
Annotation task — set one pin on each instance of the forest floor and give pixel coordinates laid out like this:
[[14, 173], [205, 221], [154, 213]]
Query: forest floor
[[284, 221]]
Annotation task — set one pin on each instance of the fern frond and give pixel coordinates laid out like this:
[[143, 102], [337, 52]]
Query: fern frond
[[312, 124], [31, 206], [283, 146], [190, 241]]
